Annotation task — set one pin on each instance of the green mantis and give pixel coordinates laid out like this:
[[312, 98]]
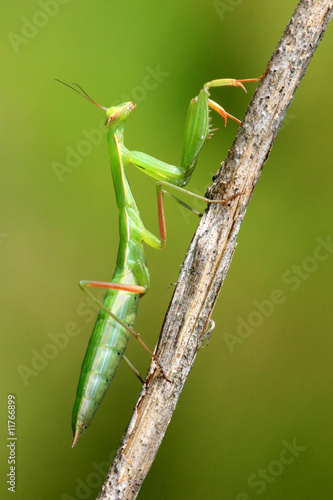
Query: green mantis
[[130, 280]]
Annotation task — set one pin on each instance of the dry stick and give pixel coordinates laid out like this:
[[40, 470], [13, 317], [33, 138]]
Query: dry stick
[[211, 250]]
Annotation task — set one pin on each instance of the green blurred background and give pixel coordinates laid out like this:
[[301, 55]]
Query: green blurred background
[[245, 401]]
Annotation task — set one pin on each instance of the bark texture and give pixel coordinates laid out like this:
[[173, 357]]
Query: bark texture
[[212, 248]]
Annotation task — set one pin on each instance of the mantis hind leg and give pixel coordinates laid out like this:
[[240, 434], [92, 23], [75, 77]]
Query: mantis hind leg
[[127, 288], [208, 333], [134, 370]]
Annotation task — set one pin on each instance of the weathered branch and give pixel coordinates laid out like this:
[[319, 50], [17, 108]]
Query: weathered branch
[[212, 248]]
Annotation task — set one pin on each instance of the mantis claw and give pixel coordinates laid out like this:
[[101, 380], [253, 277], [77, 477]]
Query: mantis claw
[[239, 84]]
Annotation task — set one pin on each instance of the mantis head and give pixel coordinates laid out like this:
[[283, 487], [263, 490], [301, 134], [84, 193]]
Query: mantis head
[[117, 114], [114, 115]]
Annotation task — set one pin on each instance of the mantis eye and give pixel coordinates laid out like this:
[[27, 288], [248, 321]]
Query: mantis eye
[[112, 118]]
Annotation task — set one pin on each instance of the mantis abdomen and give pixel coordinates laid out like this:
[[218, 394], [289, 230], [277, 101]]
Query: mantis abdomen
[[106, 348]]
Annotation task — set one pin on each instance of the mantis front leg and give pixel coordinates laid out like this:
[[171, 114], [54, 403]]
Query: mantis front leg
[[197, 132]]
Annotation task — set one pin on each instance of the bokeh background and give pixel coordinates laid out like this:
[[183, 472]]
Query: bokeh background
[[247, 399]]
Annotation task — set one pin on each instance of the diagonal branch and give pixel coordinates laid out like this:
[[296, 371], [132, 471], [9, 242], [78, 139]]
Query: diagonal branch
[[212, 248]]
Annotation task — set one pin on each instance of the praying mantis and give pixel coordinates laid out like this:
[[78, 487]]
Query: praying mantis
[[130, 280]]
